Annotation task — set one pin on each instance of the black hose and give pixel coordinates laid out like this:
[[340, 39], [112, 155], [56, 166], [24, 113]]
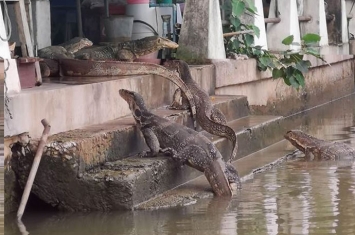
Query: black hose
[[143, 22]]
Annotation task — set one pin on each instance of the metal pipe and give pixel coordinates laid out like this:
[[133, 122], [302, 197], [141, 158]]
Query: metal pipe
[[237, 33], [107, 11], [304, 18], [272, 20], [80, 22]]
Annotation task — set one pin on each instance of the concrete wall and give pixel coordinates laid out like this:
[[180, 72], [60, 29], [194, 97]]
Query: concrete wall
[[267, 95]]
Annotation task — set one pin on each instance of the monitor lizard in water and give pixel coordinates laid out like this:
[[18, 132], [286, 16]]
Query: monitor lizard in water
[[317, 149]]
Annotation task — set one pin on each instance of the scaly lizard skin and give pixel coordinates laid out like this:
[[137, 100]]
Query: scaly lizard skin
[[183, 144], [126, 51], [211, 119], [317, 149], [66, 50]]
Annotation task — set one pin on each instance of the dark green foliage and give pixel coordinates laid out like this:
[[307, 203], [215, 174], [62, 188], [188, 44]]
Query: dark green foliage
[[288, 65]]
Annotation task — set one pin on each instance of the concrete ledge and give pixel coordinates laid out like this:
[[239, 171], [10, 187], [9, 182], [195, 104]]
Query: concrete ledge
[[236, 72], [270, 96], [73, 106], [122, 184]]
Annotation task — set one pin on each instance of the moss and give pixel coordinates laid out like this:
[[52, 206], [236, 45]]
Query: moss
[[183, 53]]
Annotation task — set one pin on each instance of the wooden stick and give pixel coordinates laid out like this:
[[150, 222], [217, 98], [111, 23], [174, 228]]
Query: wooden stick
[[34, 168]]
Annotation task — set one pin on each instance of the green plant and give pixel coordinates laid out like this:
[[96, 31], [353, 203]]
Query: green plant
[[288, 65]]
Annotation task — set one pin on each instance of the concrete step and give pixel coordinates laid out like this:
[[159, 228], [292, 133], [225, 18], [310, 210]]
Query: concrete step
[[191, 191], [124, 183], [232, 106], [119, 138]]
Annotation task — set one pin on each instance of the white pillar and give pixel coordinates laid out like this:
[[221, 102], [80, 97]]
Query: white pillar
[[215, 32], [349, 4], [289, 25], [260, 23], [344, 23], [4, 45], [12, 79], [318, 24], [41, 23], [201, 35]]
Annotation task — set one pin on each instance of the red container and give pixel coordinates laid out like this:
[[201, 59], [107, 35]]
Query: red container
[[26, 72]]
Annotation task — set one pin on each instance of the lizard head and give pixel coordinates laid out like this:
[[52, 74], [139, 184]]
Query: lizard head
[[233, 177], [177, 65], [165, 43], [299, 139], [135, 102]]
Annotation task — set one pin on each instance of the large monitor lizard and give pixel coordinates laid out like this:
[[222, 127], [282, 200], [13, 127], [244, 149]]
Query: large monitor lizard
[[65, 50], [50, 55], [125, 51], [210, 118], [317, 149], [183, 144], [81, 48]]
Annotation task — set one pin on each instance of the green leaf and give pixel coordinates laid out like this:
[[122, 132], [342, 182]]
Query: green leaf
[[251, 6], [312, 51], [300, 79], [252, 12], [311, 38], [238, 8], [289, 71], [236, 43], [293, 82], [296, 57], [256, 30], [286, 61], [278, 73], [288, 40], [303, 66], [264, 61], [287, 81], [249, 40], [257, 51], [235, 22], [261, 66]]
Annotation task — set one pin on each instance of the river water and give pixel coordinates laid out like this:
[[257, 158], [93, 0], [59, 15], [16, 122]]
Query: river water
[[294, 197]]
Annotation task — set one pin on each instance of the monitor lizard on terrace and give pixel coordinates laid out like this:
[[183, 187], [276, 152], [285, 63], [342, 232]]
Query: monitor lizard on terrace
[[183, 144], [210, 118]]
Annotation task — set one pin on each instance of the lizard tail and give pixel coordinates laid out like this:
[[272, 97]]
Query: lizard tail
[[219, 129], [231, 136]]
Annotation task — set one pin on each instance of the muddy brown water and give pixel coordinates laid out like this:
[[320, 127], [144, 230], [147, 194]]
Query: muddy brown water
[[294, 197]]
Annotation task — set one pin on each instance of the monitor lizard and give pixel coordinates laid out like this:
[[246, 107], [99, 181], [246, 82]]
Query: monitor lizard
[[183, 144]]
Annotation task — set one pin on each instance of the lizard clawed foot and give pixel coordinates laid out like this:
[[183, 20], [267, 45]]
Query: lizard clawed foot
[[173, 154], [145, 154], [168, 151]]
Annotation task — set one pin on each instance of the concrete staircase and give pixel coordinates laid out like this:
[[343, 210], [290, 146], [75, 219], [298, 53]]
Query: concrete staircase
[[96, 167]]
